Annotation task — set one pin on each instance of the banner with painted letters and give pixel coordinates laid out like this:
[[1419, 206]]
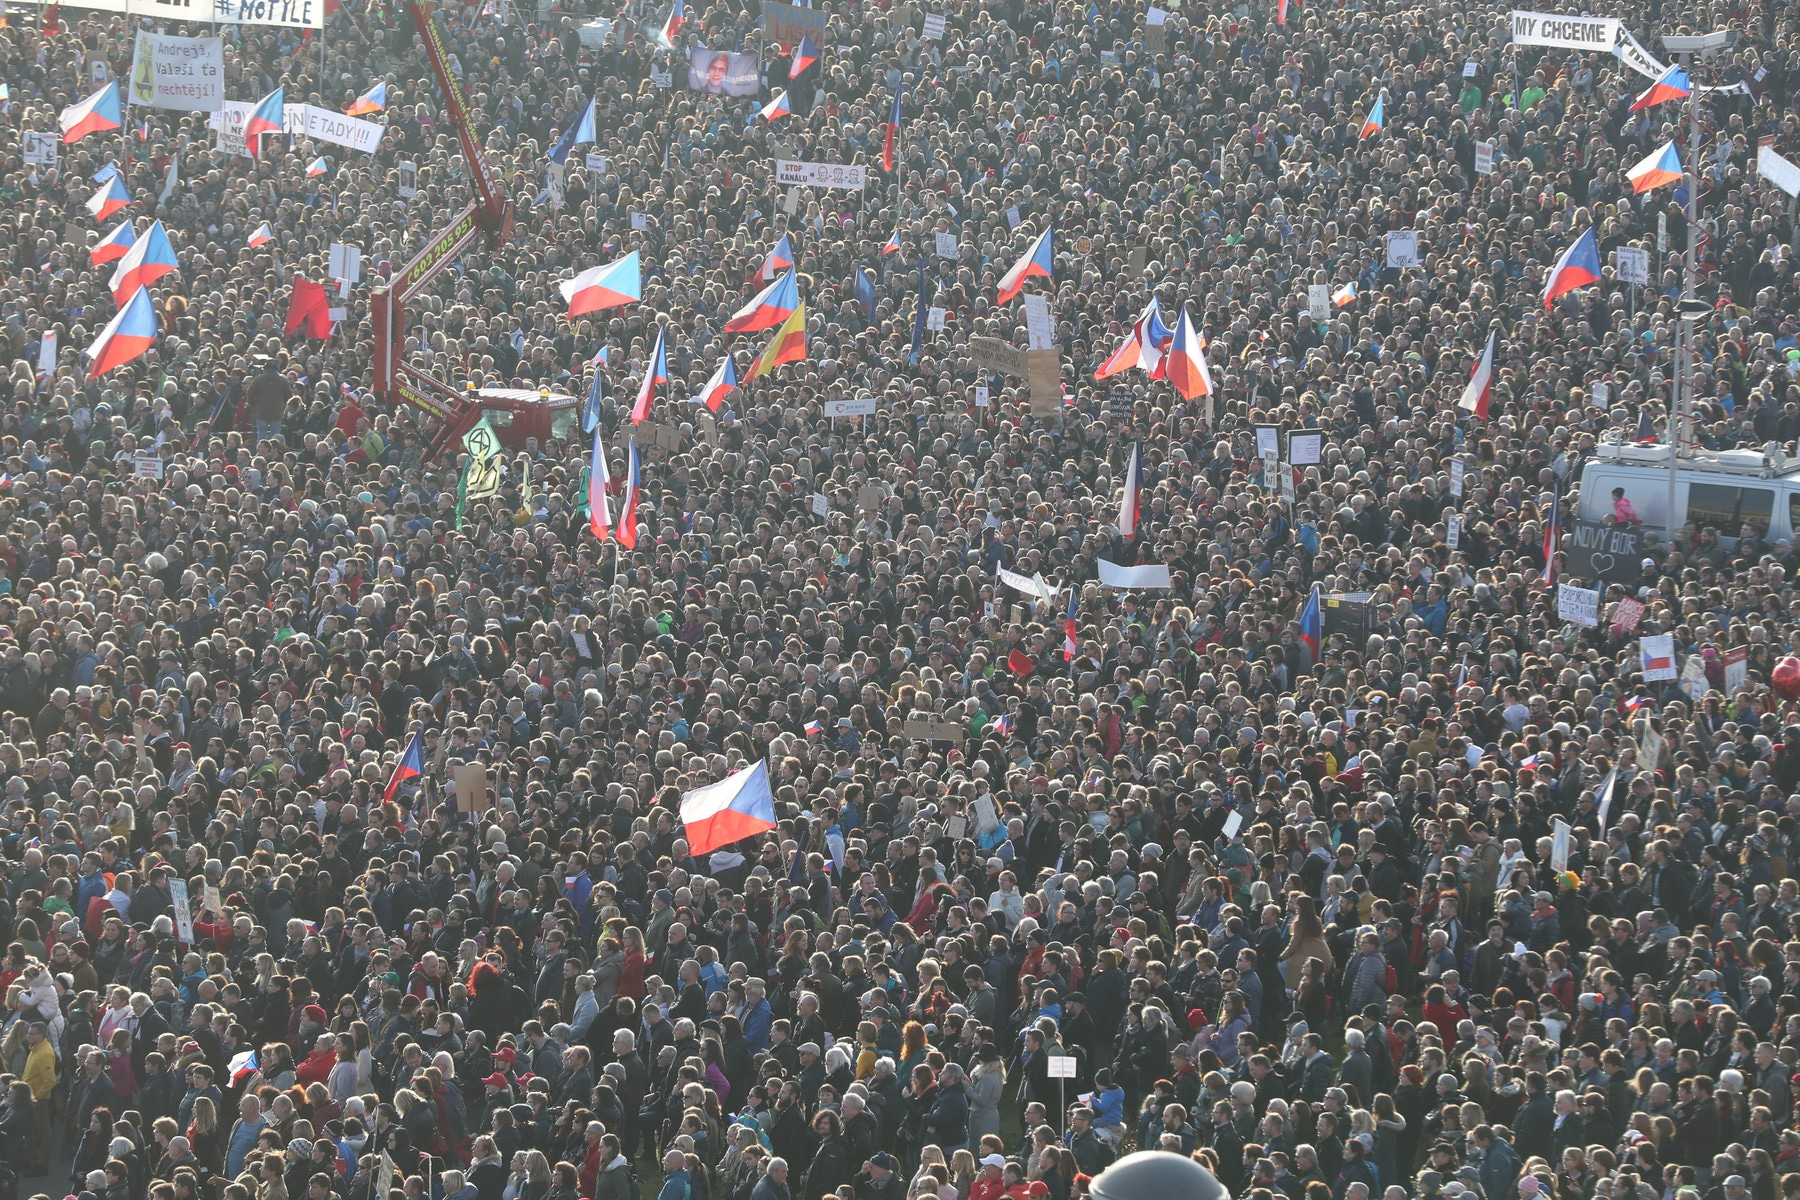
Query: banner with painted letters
[[298, 120], [1573, 33], [287, 14], [184, 73]]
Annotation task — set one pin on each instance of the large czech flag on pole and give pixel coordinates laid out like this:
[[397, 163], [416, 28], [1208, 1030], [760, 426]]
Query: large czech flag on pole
[[372, 101], [266, 118], [626, 532], [1673, 85], [890, 138], [1480, 390], [1039, 261], [1312, 624], [1143, 347], [1186, 367], [779, 259], [99, 113], [1661, 168], [599, 512], [126, 336], [1131, 496], [723, 382], [148, 260], [656, 372], [739, 806], [113, 245], [769, 307], [1578, 267], [111, 198], [1552, 542], [665, 37], [410, 766], [606, 286]]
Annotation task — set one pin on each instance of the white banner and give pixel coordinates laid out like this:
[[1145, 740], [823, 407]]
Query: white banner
[[1151, 576], [1573, 33], [1631, 52], [297, 120], [1034, 586], [323, 125], [289, 14], [1780, 171], [186, 73], [789, 173]]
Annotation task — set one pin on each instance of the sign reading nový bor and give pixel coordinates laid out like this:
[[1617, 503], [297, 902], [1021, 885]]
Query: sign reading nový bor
[[1608, 553]]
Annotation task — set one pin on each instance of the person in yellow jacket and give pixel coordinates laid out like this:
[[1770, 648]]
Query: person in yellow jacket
[[40, 1077]]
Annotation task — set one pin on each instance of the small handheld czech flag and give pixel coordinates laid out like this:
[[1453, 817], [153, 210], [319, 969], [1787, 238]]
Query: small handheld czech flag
[[814, 727], [1375, 122], [410, 766]]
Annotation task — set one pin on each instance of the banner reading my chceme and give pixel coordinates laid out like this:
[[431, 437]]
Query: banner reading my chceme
[[1573, 33]]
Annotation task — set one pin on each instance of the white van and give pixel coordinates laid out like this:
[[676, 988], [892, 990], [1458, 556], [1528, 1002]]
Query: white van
[[1721, 488]]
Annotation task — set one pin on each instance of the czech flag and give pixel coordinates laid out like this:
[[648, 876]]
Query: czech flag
[[723, 382], [769, 307], [1071, 629], [604, 287], [1374, 123], [111, 198], [1131, 496], [1186, 368], [1281, 7], [599, 514], [863, 284], [585, 129], [1552, 542], [677, 18], [317, 167], [147, 261], [779, 259], [1578, 267], [372, 101], [113, 245], [1143, 347], [814, 726], [1039, 260], [656, 373], [776, 108], [265, 118], [1344, 296], [1661, 167], [590, 412], [1480, 390], [1312, 624], [99, 113], [410, 766], [1654, 662], [1636, 702], [893, 243], [1003, 725], [788, 345], [262, 236], [891, 139], [125, 337], [243, 1066], [805, 55], [627, 531], [739, 806], [1673, 85]]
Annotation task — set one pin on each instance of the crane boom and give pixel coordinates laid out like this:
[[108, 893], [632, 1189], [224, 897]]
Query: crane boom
[[488, 216]]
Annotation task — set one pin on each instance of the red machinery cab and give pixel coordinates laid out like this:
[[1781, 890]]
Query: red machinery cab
[[516, 414]]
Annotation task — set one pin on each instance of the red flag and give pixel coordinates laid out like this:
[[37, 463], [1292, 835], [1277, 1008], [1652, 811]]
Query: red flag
[[309, 310], [1019, 663]]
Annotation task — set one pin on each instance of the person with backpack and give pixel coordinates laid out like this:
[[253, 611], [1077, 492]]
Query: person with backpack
[[616, 1181], [1367, 978]]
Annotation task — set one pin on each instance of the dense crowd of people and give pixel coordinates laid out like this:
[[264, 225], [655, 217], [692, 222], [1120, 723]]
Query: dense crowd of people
[[1181, 881]]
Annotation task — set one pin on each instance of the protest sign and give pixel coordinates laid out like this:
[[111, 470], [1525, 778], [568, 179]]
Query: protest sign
[[185, 73]]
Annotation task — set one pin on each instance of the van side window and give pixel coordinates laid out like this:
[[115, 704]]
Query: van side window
[[1726, 508]]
